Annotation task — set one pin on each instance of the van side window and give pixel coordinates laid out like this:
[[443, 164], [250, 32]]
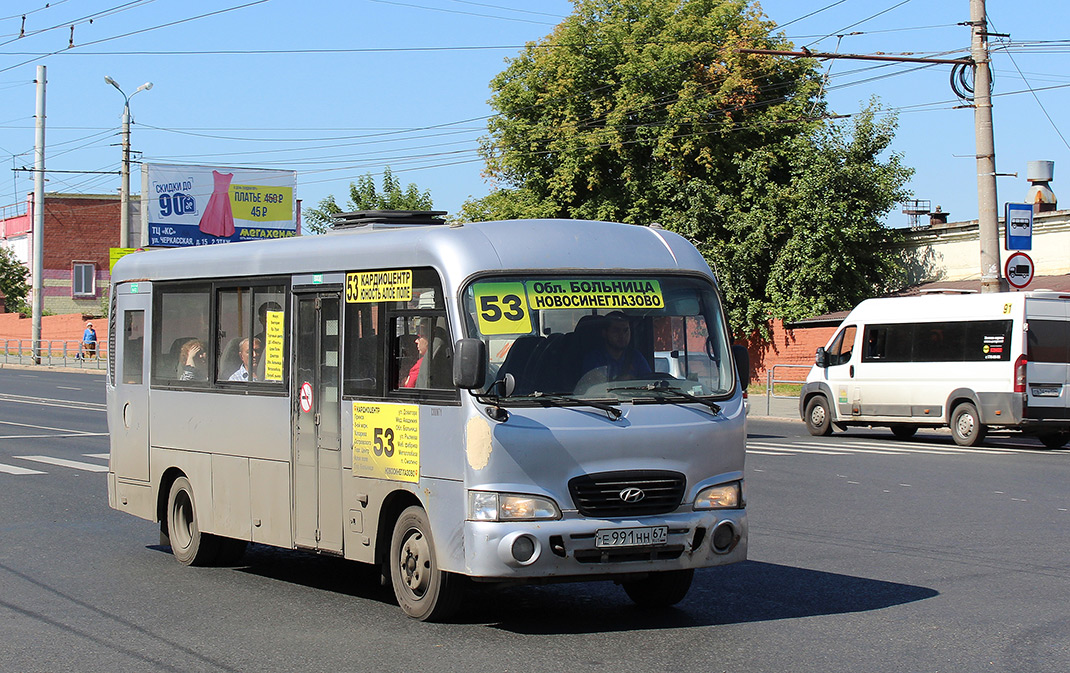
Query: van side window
[[840, 351], [181, 323]]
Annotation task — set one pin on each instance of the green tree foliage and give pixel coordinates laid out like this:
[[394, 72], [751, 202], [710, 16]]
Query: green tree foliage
[[13, 274], [644, 110], [364, 196]]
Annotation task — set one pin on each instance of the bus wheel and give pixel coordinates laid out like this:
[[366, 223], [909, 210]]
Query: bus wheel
[[659, 590], [423, 590], [904, 430], [189, 545], [966, 427], [818, 419], [1054, 440]]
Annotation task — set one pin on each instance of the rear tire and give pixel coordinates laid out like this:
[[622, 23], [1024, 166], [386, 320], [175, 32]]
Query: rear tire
[[1054, 440], [817, 417], [189, 545], [966, 426], [659, 590], [904, 430], [423, 590]]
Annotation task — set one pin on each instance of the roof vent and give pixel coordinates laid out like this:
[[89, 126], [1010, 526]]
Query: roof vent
[[364, 218]]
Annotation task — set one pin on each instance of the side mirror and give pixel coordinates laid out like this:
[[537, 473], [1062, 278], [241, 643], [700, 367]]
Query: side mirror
[[742, 359], [821, 359], [469, 363]]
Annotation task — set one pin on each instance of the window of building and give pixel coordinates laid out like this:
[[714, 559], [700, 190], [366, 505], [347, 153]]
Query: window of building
[[83, 279]]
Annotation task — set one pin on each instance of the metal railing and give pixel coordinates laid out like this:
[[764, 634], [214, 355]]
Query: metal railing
[[771, 381], [54, 353]]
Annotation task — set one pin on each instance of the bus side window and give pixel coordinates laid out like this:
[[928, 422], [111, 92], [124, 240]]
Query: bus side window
[[133, 345], [181, 317], [422, 353]]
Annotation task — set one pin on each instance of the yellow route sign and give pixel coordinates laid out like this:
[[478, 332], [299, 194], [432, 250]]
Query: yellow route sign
[[386, 441]]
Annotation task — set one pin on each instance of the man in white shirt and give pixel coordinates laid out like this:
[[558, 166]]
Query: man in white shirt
[[249, 358]]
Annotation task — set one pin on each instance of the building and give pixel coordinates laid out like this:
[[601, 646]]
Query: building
[[79, 231]]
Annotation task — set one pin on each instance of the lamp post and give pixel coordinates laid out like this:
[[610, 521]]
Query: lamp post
[[124, 194]]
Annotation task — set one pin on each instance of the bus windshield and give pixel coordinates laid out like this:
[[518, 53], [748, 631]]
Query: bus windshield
[[647, 338]]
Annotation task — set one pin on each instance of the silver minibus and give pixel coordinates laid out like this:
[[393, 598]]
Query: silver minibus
[[451, 403]]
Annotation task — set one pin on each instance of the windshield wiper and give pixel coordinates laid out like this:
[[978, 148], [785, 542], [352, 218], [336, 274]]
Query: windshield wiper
[[555, 399], [662, 388]]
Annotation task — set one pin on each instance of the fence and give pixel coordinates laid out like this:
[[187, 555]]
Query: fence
[[55, 353], [789, 383]]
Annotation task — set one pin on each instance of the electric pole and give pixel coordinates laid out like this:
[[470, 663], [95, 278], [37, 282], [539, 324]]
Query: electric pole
[[987, 203], [38, 284]]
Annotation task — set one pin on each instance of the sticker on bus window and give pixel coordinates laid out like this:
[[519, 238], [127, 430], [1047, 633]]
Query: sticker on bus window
[[273, 334], [604, 294], [502, 308], [386, 441], [367, 287]]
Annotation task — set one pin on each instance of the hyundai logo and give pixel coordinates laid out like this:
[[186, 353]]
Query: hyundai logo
[[632, 494]]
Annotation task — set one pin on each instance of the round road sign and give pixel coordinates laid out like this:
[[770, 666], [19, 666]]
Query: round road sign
[[306, 397], [1018, 270]]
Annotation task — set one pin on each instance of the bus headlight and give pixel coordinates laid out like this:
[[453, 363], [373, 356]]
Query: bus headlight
[[721, 496], [490, 506]]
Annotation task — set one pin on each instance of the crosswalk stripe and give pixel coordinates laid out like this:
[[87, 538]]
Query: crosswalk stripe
[[843, 447], [102, 456], [63, 462], [13, 469]]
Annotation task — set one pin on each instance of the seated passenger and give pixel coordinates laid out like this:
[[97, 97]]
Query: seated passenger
[[249, 357], [193, 359], [421, 352], [616, 353]]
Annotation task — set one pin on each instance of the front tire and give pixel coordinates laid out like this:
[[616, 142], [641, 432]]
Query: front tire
[[818, 418], [659, 590], [966, 426], [189, 545], [423, 590]]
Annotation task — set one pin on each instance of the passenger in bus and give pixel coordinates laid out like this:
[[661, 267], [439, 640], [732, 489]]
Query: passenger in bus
[[421, 353], [616, 353], [194, 359], [249, 350]]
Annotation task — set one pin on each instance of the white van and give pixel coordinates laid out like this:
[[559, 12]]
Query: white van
[[971, 362]]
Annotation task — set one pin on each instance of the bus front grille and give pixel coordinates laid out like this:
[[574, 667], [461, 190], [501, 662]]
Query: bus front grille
[[623, 494]]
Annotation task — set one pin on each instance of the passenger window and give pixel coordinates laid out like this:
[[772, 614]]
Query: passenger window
[[423, 354], [250, 334], [180, 350], [363, 350]]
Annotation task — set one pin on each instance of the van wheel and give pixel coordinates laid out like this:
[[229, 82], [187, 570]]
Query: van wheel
[[966, 427], [424, 591], [189, 545], [660, 590], [818, 419], [904, 430], [1054, 440]]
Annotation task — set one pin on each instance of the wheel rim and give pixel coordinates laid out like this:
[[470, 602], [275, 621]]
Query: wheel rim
[[965, 425], [181, 532], [415, 563], [817, 415]]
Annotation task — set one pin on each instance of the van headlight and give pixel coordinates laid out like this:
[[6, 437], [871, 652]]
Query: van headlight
[[721, 496], [491, 506]]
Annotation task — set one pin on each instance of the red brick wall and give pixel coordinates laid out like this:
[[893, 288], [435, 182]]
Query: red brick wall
[[80, 229], [786, 347]]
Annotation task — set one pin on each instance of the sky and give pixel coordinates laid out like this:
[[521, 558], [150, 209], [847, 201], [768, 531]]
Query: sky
[[336, 89]]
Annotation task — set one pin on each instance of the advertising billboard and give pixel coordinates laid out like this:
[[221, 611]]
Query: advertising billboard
[[204, 205]]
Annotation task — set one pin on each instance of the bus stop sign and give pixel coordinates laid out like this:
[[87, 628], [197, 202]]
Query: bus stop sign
[[1019, 270]]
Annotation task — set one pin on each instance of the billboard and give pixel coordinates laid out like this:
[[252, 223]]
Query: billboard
[[204, 205]]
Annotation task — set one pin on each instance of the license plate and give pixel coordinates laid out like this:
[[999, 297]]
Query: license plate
[[1047, 391], [647, 536]]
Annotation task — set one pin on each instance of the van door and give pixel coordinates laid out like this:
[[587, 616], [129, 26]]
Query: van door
[[130, 435], [316, 421], [839, 374], [1048, 356]]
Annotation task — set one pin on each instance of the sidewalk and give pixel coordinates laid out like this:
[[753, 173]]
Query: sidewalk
[[774, 407]]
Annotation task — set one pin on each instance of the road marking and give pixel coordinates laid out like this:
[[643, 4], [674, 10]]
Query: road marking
[[845, 446], [46, 427], [12, 469], [102, 456], [52, 402], [63, 462], [67, 388]]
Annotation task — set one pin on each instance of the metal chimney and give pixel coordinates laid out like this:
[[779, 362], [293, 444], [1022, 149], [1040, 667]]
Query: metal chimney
[[1039, 174]]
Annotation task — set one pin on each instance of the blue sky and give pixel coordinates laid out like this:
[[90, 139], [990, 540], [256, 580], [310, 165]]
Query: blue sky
[[336, 89]]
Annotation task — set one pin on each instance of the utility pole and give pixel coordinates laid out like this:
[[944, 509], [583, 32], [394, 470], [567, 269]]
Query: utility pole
[[124, 193], [987, 203], [38, 217]]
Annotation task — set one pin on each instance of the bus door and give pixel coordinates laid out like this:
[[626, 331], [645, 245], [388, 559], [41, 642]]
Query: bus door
[[130, 435], [317, 446]]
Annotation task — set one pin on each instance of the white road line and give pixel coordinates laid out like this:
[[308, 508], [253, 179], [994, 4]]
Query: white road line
[[102, 456], [46, 427], [62, 462], [11, 469], [762, 452], [62, 434], [52, 402], [67, 388]]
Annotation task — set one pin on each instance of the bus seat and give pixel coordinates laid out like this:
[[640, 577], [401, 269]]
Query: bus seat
[[517, 357]]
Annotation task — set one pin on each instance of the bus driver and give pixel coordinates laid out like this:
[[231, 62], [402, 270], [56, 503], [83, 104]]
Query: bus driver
[[616, 353]]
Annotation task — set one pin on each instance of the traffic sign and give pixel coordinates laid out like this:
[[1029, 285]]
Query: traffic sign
[[1019, 270], [306, 397], [1018, 226]]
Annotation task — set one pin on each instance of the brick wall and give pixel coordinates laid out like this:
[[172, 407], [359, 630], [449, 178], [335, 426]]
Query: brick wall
[[786, 347]]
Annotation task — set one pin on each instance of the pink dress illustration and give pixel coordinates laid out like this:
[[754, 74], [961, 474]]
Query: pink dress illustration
[[218, 220]]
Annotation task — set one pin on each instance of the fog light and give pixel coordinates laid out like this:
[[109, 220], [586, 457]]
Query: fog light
[[724, 537], [523, 548], [519, 549]]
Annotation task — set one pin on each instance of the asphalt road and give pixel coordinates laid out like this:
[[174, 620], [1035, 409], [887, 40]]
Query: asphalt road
[[866, 554]]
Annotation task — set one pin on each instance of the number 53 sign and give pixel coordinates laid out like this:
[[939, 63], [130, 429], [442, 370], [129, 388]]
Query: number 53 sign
[[502, 308], [386, 441]]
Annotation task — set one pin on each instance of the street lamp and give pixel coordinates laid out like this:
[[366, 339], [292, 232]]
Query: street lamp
[[124, 194]]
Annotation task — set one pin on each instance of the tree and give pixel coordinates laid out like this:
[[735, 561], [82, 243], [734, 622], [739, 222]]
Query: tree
[[364, 196], [645, 110], [13, 274]]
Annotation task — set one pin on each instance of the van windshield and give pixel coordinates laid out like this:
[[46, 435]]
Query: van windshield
[[604, 337]]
